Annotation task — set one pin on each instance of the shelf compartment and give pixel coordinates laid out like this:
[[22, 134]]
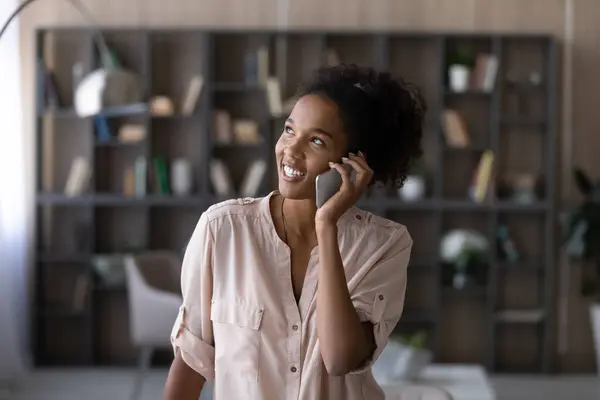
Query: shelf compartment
[[236, 57], [171, 229], [352, 48], [122, 229], [463, 323], [177, 58]]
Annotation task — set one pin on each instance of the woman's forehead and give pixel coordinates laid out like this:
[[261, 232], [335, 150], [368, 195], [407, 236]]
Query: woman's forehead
[[317, 112]]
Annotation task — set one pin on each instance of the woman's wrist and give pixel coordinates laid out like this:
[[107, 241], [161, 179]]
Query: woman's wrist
[[326, 230]]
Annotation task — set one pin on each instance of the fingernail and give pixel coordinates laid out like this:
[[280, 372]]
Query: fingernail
[[331, 164], [352, 154], [362, 154], [344, 159]]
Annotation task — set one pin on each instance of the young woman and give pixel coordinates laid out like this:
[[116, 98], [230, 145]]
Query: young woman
[[282, 300]]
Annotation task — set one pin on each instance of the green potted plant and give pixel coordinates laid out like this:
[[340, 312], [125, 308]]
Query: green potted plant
[[460, 63], [581, 238], [464, 250]]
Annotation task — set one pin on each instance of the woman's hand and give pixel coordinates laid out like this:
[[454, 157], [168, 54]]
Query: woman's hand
[[349, 192]]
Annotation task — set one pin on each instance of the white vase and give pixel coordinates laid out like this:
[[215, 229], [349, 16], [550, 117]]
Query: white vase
[[595, 323], [181, 177], [459, 78], [413, 188]]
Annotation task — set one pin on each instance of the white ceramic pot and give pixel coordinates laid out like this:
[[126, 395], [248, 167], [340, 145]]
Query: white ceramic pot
[[413, 188], [459, 76], [595, 323], [181, 177]]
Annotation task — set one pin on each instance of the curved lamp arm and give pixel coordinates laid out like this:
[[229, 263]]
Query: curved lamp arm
[[87, 15]]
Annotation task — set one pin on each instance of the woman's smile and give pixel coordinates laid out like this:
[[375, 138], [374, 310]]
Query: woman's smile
[[292, 174]]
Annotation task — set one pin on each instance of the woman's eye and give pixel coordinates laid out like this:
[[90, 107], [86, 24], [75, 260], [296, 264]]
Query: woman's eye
[[318, 141], [289, 130]]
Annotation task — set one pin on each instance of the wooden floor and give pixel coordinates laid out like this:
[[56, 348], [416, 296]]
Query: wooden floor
[[115, 384]]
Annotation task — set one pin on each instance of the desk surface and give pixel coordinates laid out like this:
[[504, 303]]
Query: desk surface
[[463, 382]]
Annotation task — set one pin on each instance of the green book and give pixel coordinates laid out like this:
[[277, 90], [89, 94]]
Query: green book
[[160, 175]]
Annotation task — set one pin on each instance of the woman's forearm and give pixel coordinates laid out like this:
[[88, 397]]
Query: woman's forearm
[[343, 341], [183, 383]]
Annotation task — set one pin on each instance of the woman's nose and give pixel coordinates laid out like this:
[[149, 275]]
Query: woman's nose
[[294, 149]]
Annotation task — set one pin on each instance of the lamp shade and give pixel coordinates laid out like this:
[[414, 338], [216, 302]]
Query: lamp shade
[[107, 88]]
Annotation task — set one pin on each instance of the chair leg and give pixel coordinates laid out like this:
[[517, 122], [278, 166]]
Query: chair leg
[[144, 359]]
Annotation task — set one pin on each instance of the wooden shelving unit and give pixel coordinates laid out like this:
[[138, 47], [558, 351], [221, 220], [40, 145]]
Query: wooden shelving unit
[[478, 324]]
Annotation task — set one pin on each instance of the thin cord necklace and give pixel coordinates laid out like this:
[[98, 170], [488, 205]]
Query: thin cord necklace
[[285, 237]]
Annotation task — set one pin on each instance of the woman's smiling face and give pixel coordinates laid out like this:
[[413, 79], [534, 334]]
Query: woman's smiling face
[[312, 137]]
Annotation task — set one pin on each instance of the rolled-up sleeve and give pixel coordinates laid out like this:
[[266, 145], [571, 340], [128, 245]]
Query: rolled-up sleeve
[[192, 334], [379, 298]]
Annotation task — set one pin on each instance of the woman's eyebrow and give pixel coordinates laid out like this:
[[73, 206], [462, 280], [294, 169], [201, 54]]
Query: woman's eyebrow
[[315, 129]]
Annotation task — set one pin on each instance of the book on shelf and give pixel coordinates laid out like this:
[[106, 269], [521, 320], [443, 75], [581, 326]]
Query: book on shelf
[[79, 177], [190, 100], [253, 178], [135, 179], [256, 66], [484, 73], [221, 178], [455, 129], [80, 292], [480, 188], [274, 101], [141, 177], [129, 182], [102, 128], [222, 126], [263, 64], [47, 88], [161, 178]]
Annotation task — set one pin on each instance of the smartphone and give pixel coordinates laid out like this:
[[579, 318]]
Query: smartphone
[[329, 183]]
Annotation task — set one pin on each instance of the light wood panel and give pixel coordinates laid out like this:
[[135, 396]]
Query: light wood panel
[[486, 15]]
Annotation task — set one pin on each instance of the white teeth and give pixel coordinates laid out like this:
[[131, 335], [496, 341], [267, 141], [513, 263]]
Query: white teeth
[[291, 172]]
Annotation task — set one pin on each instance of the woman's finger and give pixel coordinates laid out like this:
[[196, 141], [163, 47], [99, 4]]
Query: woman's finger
[[345, 174], [363, 172], [360, 160], [356, 166]]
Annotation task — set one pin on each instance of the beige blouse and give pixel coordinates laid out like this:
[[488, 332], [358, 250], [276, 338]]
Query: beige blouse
[[239, 323]]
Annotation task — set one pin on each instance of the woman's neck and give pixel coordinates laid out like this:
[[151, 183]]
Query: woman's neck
[[299, 217]]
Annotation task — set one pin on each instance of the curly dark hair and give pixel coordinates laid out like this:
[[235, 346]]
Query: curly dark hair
[[382, 115]]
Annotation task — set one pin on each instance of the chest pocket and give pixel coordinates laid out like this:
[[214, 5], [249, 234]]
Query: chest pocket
[[236, 327]]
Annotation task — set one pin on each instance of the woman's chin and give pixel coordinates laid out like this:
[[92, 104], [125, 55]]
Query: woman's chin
[[295, 191]]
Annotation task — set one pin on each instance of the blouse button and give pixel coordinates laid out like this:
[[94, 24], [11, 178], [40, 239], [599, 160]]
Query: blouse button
[[293, 369], [358, 217], [380, 297], [295, 327]]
